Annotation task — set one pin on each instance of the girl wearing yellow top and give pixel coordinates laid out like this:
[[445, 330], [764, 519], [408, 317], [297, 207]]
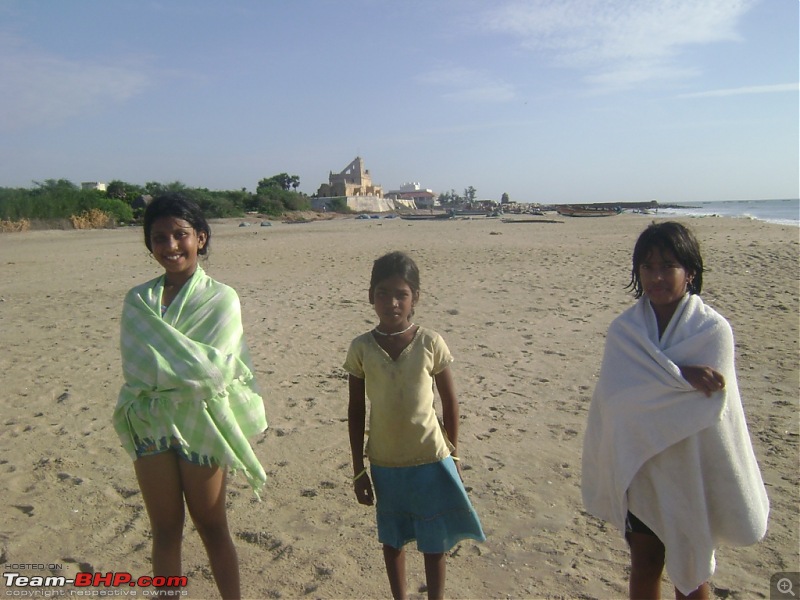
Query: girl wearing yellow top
[[413, 460]]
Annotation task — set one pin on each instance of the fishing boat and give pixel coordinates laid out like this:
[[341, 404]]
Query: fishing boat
[[427, 217], [588, 211], [530, 221]]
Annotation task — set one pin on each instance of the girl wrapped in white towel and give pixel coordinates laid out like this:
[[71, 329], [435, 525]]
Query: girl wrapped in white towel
[[667, 457]]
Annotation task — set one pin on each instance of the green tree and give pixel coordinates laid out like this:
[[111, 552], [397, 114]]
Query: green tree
[[119, 210], [451, 199], [339, 205], [504, 199], [126, 192], [154, 188], [55, 186], [14, 203], [239, 200], [295, 201], [282, 181], [268, 206], [59, 199], [469, 194]]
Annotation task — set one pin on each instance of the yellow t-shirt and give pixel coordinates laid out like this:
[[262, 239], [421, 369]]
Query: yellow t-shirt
[[403, 427]]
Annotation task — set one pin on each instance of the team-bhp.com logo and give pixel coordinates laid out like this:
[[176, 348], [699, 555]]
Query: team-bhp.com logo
[[92, 584]]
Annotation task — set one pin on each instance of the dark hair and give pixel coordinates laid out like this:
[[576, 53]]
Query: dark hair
[[389, 265], [677, 240], [178, 205]]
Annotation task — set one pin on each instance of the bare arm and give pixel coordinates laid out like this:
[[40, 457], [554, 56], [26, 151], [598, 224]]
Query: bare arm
[[356, 417], [447, 392]]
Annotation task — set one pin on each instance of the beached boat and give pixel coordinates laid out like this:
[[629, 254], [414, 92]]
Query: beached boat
[[434, 217], [587, 211], [530, 221], [473, 213]]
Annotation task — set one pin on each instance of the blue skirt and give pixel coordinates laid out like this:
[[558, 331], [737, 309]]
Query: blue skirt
[[427, 503]]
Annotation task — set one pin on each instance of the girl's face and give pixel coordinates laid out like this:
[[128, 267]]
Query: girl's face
[[394, 301], [175, 245], [664, 280]]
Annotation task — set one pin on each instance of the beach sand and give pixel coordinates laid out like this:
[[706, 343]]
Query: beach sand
[[524, 309]]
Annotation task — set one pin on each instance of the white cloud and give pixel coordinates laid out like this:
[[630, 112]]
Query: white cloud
[[756, 89], [40, 88], [468, 85], [619, 43]]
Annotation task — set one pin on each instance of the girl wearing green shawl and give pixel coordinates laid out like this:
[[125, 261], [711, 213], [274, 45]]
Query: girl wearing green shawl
[[189, 401]]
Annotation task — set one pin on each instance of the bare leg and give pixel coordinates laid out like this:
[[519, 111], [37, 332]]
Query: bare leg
[[647, 565], [435, 566], [160, 483], [395, 560], [701, 593], [204, 488]]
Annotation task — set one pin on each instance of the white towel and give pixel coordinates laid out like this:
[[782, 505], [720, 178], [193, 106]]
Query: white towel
[[680, 461]]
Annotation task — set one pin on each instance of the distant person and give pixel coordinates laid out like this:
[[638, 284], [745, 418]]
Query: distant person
[[667, 457], [413, 459], [189, 401]]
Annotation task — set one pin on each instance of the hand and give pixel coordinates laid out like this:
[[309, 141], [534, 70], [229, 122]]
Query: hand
[[458, 468], [363, 489], [703, 379]]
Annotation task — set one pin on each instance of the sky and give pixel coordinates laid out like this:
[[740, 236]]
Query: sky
[[551, 101]]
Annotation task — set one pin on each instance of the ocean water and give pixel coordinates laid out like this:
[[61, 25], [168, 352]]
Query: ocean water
[[783, 212]]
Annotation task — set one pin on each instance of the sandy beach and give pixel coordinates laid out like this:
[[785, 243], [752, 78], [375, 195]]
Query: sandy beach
[[524, 308]]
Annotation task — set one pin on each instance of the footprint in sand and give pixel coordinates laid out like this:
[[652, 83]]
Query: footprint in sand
[[82, 567], [25, 508], [487, 435], [268, 542], [71, 478], [126, 492]]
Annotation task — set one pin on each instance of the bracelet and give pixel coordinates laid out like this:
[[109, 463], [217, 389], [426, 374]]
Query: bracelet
[[454, 457], [360, 474]]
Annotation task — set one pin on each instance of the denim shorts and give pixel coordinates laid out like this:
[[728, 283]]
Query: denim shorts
[[149, 447]]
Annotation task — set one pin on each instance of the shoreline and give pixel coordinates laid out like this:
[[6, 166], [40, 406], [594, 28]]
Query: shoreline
[[630, 208]]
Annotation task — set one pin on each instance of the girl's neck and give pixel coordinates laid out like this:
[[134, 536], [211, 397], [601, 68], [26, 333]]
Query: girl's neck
[[384, 333], [664, 315], [177, 281], [396, 342]]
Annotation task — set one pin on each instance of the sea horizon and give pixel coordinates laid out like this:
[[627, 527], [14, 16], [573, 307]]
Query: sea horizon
[[781, 212]]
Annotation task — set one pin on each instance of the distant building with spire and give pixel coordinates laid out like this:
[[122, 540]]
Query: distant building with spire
[[354, 184], [353, 180]]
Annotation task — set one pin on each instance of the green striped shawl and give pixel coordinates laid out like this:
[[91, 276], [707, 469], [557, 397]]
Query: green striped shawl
[[188, 375]]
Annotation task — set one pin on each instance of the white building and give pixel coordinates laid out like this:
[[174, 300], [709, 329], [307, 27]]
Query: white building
[[423, 199]]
